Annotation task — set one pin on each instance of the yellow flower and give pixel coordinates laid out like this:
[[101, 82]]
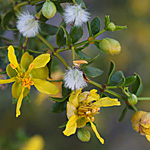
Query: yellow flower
[[35, 143], [29, 72], [141, 123], [81, 109]]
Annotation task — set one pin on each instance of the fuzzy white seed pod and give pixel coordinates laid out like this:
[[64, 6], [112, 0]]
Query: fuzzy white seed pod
[[74, 79], [76, 15], [27, 24]]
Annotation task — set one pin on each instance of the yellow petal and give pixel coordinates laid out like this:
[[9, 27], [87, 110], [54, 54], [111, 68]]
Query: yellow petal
[[74, 97], [19, 102], [17, 88], [41, 60], [148, 137], [92, 96], [71, 110], [11, 72], [26, 59], [45, 87], [7, 80], [12, 57], [39, 73], [106, 102], [96, 133], [71, 126]]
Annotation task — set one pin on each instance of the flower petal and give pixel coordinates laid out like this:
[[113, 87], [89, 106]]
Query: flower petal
[[7, 80], [96, 132], [71, 126], [41, 60], [92, 96], [12, 57], [148, 137], [26, 59], [45, 87], [74, 97], [40, 73], [106, 102], [71, 109], [16, 90], [19, 102], [11, 72]]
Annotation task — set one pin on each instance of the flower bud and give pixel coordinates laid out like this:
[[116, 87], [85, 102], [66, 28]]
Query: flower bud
[[83, 135], [110, 46], [49, 9], [111, 27], [132, 99]]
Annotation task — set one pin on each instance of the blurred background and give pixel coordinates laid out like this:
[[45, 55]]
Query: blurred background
[[36, 118]]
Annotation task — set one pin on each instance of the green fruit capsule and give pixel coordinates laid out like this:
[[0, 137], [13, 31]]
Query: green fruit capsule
[[49, 9], [132, 99], [110, 46], [83, 135]]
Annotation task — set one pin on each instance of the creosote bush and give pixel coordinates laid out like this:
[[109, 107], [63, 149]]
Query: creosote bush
[[26, 66]]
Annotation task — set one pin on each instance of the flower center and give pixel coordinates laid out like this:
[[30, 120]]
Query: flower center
[[87, 111], [26, 82], [25, 79]]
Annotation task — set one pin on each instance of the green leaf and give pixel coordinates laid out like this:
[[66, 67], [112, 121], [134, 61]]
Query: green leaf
[[76, 33], [122, 82], [130, 80], [123, 114], [59, 8], [60, 40], [137, 86], [48, 29], [27, 98], [14, 100], [81, 2], [95, 25], [68, 38], [63, 125], [107, 21], [116, 78], [82, 55], [58, 107], [65, 91], [59, 99], [111, 71], [92, 72], [6, 18], [90, 61]]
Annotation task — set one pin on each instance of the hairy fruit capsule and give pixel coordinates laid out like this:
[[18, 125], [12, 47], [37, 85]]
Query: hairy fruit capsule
[[110, 46]]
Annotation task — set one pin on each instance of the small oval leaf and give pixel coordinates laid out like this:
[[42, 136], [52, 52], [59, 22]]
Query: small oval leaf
[[95, 25], [92, 72], [76, 33]]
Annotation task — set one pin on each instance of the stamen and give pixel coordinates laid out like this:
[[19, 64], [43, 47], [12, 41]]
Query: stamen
[[92, 119], [12, 66], [88, 112], [26, 82]]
